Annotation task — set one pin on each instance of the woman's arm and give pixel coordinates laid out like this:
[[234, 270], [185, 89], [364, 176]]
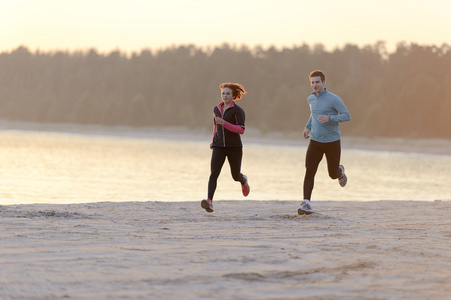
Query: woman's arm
[[233, 128]]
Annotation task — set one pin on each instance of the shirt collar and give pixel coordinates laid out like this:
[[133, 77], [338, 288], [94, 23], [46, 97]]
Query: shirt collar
[[320, 93], [222, 104]]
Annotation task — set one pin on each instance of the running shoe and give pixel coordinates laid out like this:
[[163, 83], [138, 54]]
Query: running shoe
[[207, 204], [245, 187], [343, 179], [305, 209]]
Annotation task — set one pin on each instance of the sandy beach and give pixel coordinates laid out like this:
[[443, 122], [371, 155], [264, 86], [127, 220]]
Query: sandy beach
[[243, 250]]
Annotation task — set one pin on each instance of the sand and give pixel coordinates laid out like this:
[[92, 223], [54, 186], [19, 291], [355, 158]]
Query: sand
[[243, 250]]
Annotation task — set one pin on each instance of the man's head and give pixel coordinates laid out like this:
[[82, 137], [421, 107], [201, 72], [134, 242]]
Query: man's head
[[317, 73], [317, 80]]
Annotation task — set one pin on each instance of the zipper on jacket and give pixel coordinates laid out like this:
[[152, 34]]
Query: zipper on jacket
[[223, 133]]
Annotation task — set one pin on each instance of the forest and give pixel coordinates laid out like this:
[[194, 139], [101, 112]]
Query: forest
[[405, 93]]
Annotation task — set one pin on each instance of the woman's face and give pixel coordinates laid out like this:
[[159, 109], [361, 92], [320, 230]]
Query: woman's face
[[227, 95]]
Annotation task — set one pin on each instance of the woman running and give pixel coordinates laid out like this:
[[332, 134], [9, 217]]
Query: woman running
[[228, 125]]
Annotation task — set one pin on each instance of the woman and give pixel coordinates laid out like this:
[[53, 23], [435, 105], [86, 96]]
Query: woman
[[228, 125]]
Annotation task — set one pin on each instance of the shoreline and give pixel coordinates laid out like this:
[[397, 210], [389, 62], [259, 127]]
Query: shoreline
[[403, 145]]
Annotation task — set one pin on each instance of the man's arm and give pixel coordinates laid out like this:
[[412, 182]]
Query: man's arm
[[309, 123], [343, 113], [308, 128]]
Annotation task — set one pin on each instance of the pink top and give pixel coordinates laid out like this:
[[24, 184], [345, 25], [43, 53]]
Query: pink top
[[233, 128]]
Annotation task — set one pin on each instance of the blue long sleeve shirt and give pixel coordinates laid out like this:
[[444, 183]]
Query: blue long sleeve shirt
[[326, 104]]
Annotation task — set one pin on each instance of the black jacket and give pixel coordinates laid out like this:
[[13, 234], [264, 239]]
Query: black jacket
[[222, 136]]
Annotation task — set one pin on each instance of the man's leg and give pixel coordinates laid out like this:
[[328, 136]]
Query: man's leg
[[333, 154], [313, 157]]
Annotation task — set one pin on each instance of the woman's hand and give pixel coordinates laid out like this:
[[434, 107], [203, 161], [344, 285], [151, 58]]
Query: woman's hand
[[219, 121]]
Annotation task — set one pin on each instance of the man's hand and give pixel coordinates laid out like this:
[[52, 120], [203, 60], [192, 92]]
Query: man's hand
[[306, 133], [323, 119]]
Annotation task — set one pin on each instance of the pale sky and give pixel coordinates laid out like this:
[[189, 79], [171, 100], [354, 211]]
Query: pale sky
[[131, 25]]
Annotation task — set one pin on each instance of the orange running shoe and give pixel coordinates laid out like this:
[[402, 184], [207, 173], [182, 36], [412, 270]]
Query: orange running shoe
[[245, 187]]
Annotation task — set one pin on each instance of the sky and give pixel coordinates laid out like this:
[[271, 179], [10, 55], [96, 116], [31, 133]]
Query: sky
[[133, 25]]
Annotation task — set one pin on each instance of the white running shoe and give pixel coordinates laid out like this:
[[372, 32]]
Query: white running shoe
[[306, 208], [343, 179]]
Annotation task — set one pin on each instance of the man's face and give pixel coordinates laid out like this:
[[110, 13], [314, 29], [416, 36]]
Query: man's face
[[317, 84]]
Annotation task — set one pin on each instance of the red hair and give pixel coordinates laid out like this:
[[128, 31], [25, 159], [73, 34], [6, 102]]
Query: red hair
[[318, 73], [237, 89]]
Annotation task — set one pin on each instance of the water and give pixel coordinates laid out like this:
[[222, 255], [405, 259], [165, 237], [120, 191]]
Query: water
[[68, 168]]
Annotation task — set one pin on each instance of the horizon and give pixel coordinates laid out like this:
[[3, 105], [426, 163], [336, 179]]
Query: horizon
[[209, 48]]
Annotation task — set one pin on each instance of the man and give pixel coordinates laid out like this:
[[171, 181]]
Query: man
[[327, 110]]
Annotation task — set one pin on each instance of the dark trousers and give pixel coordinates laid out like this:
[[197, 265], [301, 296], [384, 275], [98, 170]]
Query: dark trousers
[[313, 157], [218, 156]]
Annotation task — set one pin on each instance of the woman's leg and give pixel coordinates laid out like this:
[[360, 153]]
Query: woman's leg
[[218, 157], [234, 156]]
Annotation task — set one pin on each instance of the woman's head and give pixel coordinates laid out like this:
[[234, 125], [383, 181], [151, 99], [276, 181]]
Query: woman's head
[[236, 88]]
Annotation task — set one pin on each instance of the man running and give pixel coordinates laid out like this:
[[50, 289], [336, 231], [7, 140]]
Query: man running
[[327, 110]]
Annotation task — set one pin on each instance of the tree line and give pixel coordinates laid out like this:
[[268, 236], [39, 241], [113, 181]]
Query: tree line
[[406, 93]]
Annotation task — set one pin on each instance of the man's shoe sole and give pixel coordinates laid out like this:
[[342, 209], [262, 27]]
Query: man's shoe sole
[[304, 212], [344, 175], [204, 204], [345, 182]]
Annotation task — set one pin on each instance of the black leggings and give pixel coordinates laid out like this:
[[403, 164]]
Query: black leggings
[[315, 152], [218, 156]]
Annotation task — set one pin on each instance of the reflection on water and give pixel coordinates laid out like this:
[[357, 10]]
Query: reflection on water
[[64, 168]]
